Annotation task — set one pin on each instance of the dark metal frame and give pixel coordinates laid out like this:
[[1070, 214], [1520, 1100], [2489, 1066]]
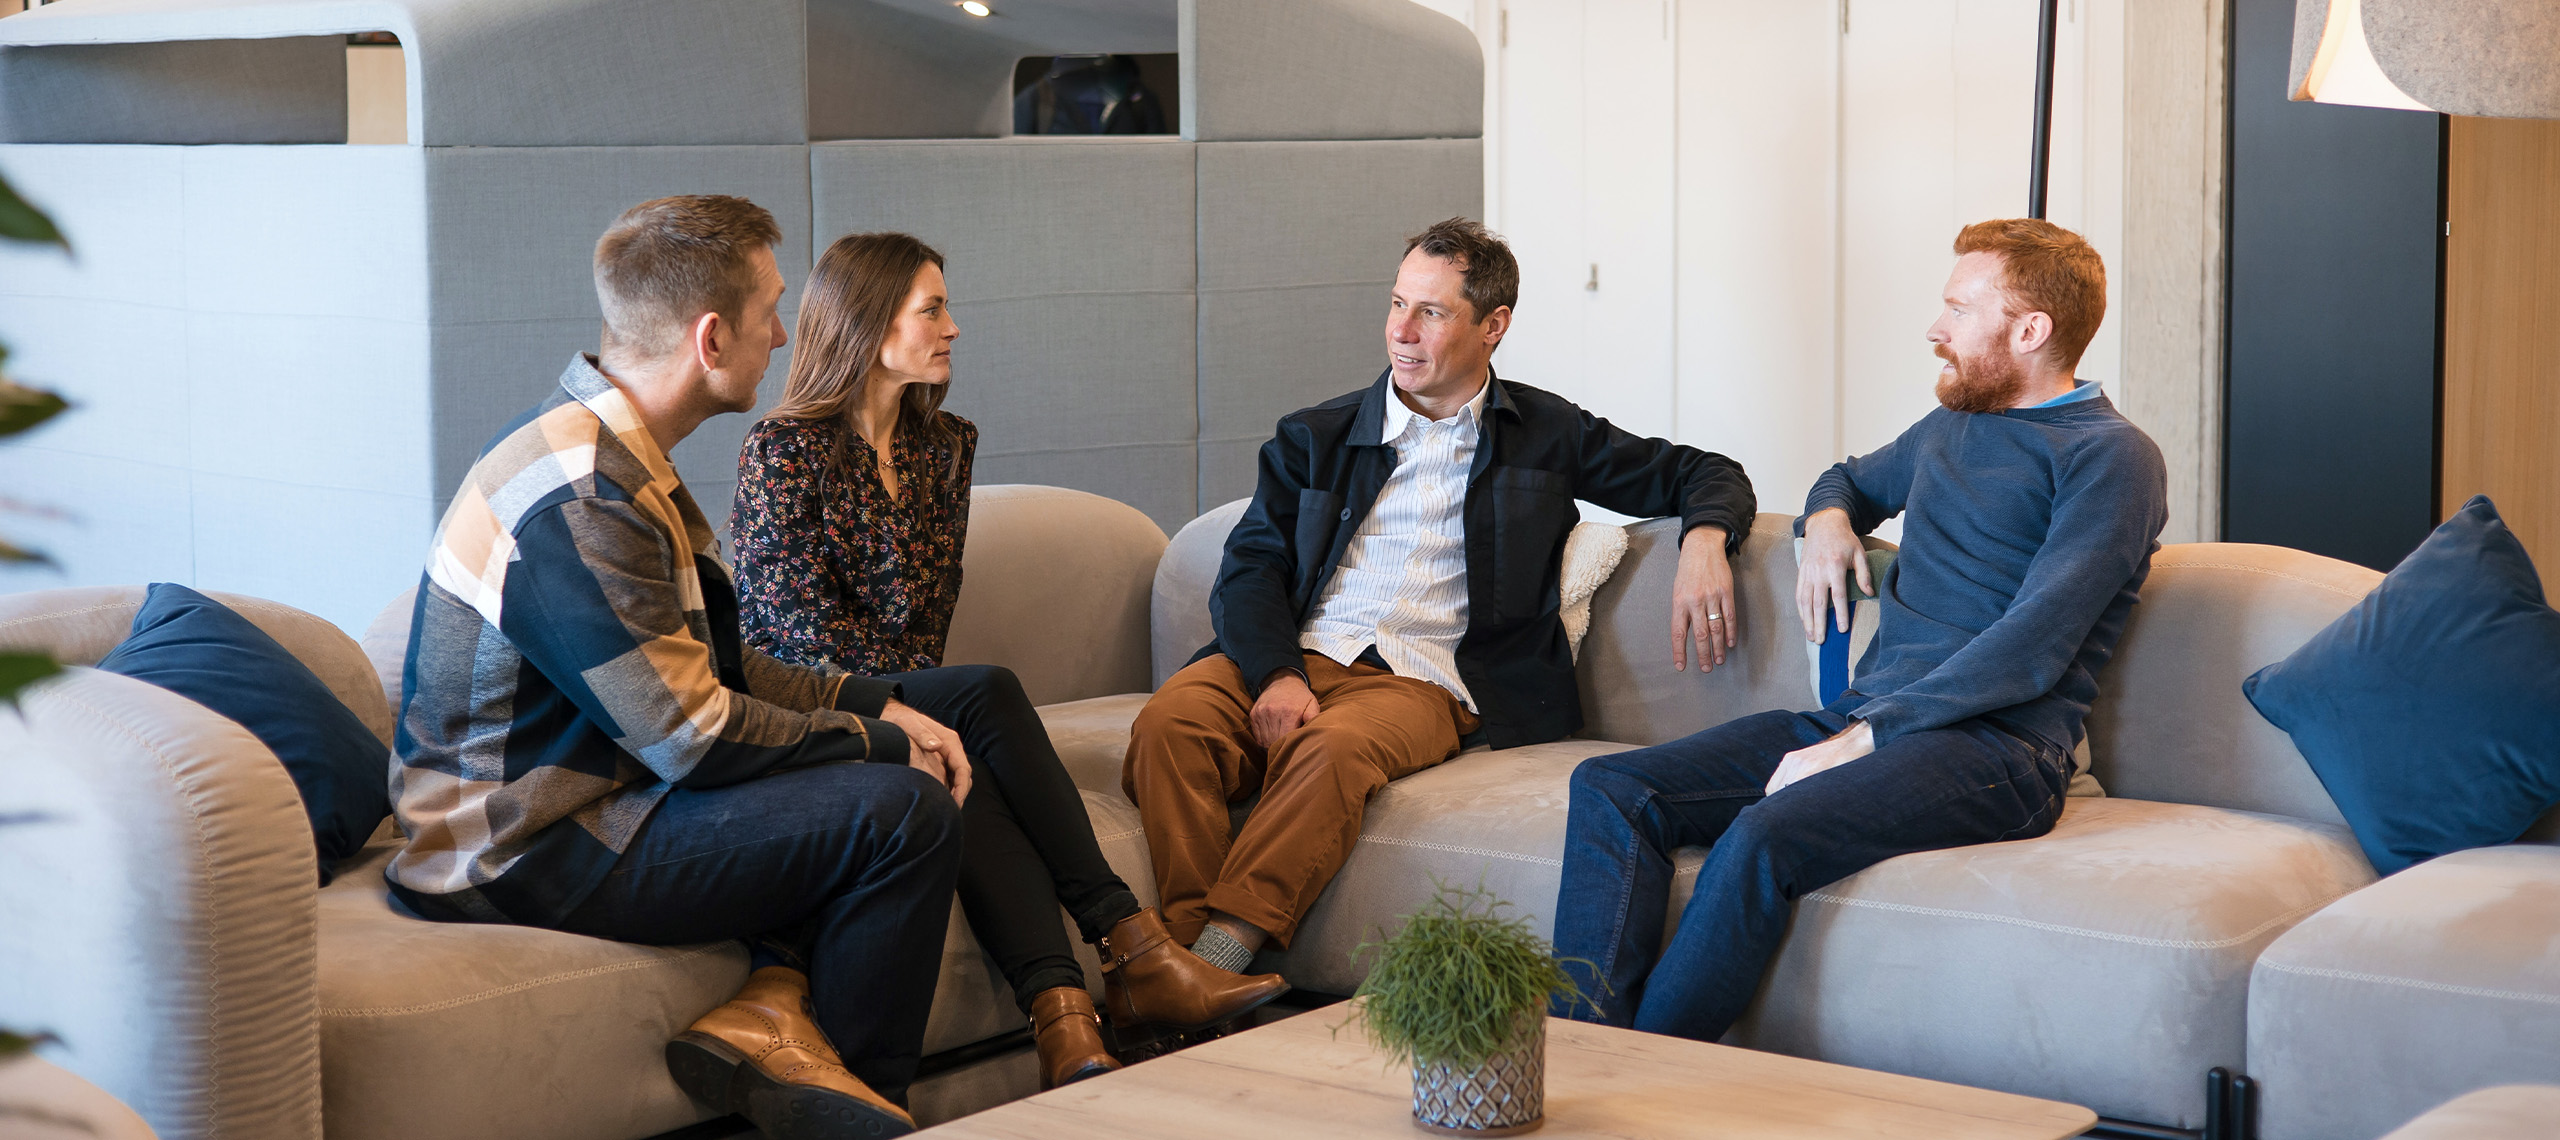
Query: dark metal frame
[[2230, 1113], [2042, 160]]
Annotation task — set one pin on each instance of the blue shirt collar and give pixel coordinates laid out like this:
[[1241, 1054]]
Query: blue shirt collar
[[2086, 389]]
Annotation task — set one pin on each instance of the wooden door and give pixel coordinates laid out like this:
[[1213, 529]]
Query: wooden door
[[2502, 328]]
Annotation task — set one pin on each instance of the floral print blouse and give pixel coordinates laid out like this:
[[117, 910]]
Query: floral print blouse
[[831, 568]]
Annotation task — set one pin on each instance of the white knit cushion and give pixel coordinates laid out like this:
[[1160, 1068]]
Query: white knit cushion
[[1591, 554]]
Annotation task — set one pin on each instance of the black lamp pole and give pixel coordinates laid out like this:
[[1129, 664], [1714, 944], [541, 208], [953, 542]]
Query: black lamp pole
[[2043, 159]]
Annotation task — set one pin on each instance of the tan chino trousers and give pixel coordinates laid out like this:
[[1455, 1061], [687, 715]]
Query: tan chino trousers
[[1192, 753]]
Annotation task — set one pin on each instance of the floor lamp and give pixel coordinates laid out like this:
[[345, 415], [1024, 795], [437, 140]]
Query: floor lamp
[[2042, 159]]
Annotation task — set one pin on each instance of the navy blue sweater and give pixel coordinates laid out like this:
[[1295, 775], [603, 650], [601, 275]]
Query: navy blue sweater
[[2025, 538]]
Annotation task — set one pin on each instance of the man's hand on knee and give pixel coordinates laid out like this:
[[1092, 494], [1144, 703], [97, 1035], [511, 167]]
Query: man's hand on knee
[[1832, 554], [932, 748], [1856, 741], [1286, 704]]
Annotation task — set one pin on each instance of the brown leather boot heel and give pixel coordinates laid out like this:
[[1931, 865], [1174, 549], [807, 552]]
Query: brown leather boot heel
[[1149, 979], [762, 1055], [1069, 1034]]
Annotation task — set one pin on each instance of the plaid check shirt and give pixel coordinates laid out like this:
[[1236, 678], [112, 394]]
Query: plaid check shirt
[[574, 655]]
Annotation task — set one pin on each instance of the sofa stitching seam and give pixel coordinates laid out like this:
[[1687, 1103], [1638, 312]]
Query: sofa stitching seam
[[2410, 983], [518, 987], [2106, 936], [57, 615], [2263, 571], [1455, 849]]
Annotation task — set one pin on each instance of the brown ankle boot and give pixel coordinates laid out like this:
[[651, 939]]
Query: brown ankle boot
[[763, 1056], [1069, 1033], [1149, 979]]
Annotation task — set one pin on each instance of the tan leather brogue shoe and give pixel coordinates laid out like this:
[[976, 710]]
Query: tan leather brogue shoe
[[1069, 1033], [763, 1056], [1150, 979]]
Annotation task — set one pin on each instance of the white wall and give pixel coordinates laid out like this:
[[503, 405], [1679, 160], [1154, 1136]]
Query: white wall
[[1770, 198], [244, 341]]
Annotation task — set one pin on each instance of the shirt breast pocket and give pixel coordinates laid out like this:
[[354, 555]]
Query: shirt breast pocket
[[1320, 517], [1532, 511]]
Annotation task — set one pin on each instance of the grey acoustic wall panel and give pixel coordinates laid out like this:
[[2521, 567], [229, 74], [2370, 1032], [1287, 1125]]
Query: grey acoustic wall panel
[[291, 90], [1299, 242], [512, 233], [876, 72], [508, 72], [1071, 269], [1327, 69]]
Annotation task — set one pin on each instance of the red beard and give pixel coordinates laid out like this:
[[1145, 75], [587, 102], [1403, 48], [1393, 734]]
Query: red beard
[[1990, 384]]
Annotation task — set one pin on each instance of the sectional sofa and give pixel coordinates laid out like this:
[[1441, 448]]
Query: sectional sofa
[[2211, 911]]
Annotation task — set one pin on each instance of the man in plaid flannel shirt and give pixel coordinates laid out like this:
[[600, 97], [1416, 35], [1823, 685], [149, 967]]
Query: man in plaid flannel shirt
[[585, 744]]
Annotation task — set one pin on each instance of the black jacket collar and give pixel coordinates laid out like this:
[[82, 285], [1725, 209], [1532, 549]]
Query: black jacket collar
[[1369, 426]]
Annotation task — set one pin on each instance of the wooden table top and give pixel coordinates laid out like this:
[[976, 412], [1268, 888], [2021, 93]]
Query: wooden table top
[[1303, 1077]]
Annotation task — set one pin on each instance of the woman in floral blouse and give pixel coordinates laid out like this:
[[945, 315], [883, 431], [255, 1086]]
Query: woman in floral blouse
[[851, 511]]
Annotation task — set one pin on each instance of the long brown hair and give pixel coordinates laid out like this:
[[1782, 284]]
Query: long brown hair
[[853, 298]]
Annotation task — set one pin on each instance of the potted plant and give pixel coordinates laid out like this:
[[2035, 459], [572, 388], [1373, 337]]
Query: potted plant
[[1461, 993]]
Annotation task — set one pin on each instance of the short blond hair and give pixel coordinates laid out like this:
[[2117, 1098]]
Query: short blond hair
[[667, 261]]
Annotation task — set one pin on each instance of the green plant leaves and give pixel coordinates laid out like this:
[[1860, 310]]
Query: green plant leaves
[[13, 1044], [22, 222], [1460, 983], [20, 670], [22, 407]]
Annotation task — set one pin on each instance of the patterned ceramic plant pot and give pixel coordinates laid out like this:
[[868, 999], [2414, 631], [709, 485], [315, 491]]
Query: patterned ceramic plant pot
[[1504, 1096]]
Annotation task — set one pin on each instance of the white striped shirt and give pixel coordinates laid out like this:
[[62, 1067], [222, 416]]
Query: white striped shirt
[[1402, 585]]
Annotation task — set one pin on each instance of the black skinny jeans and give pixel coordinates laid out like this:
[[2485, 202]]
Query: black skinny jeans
[[1027, 845]]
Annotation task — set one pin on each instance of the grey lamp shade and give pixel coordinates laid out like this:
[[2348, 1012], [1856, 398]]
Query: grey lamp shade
[[2462, 57]]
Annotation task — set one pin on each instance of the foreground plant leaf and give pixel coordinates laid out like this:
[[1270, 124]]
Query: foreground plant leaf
[[22, 407], [21, 555], [22, 222], [20, 670], [13, 1044]]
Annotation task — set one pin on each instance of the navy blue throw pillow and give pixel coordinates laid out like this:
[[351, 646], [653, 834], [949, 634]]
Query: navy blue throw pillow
[[202, 650], [2431, 711]]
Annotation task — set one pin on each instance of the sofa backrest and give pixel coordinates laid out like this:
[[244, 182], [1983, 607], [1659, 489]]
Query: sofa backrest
[[1054, 587], [1179, 603], [1629, 692], [2171, 723], [80, 626]]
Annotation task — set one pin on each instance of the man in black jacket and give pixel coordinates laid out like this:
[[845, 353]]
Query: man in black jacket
[[1392, 593]]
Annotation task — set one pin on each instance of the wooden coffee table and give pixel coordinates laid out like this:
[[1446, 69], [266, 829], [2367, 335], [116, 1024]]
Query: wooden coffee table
[[1304, 1078]]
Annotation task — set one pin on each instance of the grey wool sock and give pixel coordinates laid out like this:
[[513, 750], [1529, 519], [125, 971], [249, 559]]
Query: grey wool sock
[[1219, 948]]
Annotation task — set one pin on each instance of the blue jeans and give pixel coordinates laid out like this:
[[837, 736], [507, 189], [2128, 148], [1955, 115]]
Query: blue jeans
[[1967, 783], [848, 867]]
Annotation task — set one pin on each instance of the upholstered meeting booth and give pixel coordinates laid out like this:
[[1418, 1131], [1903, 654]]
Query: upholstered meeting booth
[[313, 340]]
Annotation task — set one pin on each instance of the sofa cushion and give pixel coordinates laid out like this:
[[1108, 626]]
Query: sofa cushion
[[2106, 963], [559, 1035], [1092, 738], [2437, 980], [1494, 819], [528, 1033], [2428, 710], [200, 649], [2507, 1112]]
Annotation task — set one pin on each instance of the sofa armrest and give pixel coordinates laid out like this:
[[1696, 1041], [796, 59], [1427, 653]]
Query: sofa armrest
[[162, 918]]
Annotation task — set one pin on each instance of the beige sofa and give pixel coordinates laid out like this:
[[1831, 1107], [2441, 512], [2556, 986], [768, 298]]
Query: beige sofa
[[182, 951]]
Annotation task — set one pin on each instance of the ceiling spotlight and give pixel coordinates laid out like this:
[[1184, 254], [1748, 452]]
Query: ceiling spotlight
[[974, 8]]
